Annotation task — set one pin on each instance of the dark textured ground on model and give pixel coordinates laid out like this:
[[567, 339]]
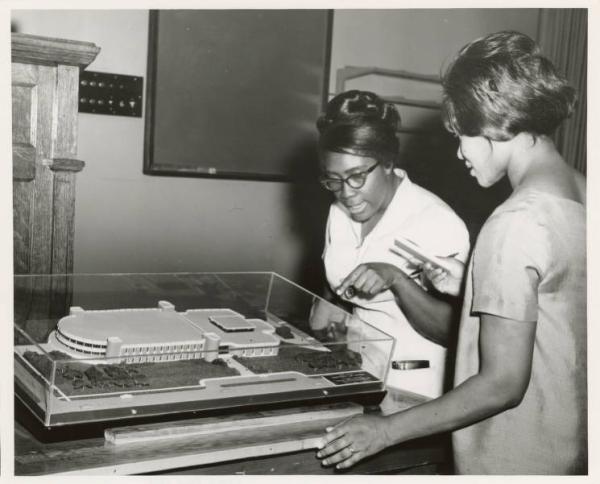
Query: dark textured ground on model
[[77, 378]]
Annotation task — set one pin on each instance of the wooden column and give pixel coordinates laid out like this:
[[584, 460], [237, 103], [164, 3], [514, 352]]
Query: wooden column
[[45, 79]]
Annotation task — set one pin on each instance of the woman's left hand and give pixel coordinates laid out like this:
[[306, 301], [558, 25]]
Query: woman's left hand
[[352, 440], [446, 281]]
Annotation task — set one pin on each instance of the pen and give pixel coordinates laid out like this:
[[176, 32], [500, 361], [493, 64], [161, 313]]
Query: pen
[[416, 272]]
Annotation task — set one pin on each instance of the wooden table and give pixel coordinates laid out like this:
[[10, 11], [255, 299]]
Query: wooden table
[[282, 449]]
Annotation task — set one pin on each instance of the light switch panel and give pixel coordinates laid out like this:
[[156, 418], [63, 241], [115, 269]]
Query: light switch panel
[[104, 93]]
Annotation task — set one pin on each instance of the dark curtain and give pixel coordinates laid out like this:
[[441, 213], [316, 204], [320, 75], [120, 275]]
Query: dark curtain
[[563, 39]]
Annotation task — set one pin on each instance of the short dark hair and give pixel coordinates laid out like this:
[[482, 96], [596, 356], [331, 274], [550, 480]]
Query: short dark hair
[[360, 123], [501, 85]]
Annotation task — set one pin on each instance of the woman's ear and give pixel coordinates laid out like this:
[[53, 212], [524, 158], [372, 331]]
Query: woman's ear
[[388, 167]]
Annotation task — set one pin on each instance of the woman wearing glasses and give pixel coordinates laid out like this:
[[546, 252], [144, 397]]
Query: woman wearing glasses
[[519, 405], [375, 202]]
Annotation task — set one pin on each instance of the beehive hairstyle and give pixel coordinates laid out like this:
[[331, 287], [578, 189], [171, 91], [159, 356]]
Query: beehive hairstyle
[[360, 123], [500, 85]]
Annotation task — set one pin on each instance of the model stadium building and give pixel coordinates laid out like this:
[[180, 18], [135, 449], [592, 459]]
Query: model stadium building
[[162, 334]]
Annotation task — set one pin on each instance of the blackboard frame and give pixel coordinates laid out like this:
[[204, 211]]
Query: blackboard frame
[[154, 166]]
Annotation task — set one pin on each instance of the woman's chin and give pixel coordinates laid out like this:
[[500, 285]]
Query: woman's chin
[[361, 217], [358, 213], [486, 183]]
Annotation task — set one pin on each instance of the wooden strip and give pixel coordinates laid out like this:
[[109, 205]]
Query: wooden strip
[[419, 103], [41, 215], [95, 456], [352, 72], [23, 162], [24, 112], [22, 221], [33, 49], [63, 222], [64, 142], [177, 462], [66, 164], [211, 426]]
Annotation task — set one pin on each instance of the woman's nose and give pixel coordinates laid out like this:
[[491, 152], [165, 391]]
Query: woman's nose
[[459, 153], [347, 191]]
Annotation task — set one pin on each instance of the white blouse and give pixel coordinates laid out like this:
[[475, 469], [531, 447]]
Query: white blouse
[[422, 217]]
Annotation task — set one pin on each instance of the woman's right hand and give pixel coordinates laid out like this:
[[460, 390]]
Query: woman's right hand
[[447, 282], [327, 321]]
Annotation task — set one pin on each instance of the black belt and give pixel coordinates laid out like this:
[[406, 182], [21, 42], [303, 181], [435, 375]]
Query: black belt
[[409, 364]]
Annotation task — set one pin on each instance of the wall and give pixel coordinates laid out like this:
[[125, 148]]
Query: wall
[[129, 222], [424, 41], [417, 40]]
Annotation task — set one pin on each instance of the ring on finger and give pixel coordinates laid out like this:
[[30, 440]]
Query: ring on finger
[[351, 449]]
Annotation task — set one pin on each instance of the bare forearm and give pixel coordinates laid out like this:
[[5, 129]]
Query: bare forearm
[[470, 402], [505, 355], [429, 316]]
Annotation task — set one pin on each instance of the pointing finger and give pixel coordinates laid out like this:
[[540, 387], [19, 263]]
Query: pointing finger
[[349, 280]]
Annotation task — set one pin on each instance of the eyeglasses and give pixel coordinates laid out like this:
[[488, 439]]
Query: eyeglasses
[[356, 180]]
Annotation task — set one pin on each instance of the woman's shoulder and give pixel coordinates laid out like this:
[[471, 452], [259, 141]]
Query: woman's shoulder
[[519, 209], [555, 181], [531, 211], [536, 202], [513, 228]]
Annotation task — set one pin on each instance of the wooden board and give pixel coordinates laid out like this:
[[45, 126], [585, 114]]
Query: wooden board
[[214, 426], [254, 451]]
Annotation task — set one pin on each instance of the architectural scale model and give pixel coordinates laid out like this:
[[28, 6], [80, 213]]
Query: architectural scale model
[[121, 363], [162, 334]]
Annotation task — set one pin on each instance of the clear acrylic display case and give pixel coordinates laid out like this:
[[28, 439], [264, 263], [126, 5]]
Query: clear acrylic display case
[[96, 347]]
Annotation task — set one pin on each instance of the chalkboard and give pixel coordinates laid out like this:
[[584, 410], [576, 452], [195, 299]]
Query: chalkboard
[[234, 93]]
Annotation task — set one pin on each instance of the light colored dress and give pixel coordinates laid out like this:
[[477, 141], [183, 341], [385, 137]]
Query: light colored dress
[[529, 264], [422, 217]]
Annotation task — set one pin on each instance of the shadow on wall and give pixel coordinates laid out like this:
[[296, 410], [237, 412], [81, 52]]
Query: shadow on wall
[[308, 208], [430, 160]]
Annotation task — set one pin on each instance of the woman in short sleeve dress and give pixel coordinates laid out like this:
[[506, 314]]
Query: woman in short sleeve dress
[[519, 404]]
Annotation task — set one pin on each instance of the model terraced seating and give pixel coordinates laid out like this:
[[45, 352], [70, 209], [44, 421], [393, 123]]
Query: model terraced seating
[[162, 334]]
